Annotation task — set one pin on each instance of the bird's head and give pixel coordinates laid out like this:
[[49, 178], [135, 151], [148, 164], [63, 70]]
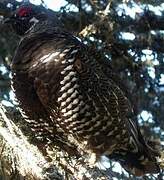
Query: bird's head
[[25, 17]]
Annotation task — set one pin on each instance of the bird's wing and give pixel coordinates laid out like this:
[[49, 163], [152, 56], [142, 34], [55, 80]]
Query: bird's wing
[[107, 86], [124, 96]]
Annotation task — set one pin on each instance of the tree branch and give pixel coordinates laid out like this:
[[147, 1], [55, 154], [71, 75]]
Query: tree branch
[[142, 23], [25, 160], [24, 157], [144, 41]]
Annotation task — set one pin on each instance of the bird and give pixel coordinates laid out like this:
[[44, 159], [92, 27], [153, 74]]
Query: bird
[[62, 89]]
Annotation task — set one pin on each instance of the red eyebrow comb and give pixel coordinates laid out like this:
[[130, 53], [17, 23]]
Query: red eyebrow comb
[[24, 11]]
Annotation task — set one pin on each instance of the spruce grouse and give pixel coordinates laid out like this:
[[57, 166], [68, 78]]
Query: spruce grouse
[[59, 86]]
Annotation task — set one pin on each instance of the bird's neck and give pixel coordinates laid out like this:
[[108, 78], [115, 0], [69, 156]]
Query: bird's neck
[[44, 26]]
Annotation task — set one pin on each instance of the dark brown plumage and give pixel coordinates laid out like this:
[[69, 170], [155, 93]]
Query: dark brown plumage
[[60, 87]]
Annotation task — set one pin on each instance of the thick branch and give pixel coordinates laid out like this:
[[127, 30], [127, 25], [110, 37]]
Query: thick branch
[[144, 41], [25, 158], [156, 2], [142, 23]]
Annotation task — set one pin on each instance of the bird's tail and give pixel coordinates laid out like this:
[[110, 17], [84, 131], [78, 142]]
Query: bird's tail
[[141, 162], [143, 159]]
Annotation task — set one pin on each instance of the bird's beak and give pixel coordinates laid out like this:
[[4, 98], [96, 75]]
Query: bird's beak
[[8, 20]]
